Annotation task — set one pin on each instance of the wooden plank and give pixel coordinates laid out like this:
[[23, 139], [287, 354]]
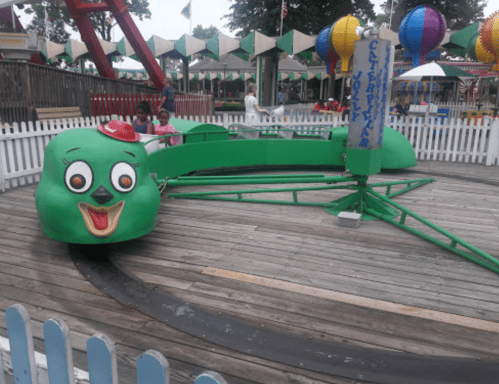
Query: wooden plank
[[357, 300]]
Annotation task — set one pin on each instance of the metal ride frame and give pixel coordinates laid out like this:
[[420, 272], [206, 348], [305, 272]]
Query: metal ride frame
[[79, 12], [365, 200]]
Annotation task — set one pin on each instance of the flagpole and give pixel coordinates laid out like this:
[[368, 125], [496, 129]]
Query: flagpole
[[282, 7], [190, 18], [391, 14]]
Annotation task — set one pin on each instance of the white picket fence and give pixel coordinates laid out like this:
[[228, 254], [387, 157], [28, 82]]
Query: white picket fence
[[19, 358], [22, 145]]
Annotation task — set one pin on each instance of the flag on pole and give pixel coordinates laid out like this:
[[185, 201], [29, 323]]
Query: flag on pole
[[186, 11], [49, 28], [284, 10], [390, 5]]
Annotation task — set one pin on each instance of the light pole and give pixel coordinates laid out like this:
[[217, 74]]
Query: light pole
[[225, 80]]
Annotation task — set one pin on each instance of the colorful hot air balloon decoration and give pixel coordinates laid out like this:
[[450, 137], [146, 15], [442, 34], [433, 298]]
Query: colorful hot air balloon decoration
[[421, 31], [490, 37], [328, 55], [477, 51], [341, 38]]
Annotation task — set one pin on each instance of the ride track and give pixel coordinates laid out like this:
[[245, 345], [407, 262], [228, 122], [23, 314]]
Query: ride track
[[208, 149]]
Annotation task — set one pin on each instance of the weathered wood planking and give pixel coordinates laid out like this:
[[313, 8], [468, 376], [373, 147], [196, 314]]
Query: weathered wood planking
[[296, 244]]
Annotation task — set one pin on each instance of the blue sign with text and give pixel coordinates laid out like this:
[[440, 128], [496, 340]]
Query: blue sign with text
[[369, 94]]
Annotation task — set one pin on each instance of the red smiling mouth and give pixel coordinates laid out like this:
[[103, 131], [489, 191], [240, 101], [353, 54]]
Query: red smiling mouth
[[101, 221]]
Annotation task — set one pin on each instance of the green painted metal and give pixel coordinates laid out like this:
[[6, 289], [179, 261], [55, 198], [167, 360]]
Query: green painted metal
[[396, 152], [282, 179], [198, 132], [250, 177], [207, 146], [359, 201], [180, 46], [286, 42], [479, 257], [364, 161], [213, 45], [388, 184], [241, 55], [220, 195], [248, 43]]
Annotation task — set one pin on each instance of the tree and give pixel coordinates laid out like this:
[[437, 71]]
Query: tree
[[306, 16], [457, 13], [205, 33], [60, 17]]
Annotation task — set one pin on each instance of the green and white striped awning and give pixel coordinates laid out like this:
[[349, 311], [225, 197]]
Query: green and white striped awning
[[197, 76], [160, 46], [211, 75], [308, 76], [124, 48], [322, 75], [52, 50], [233, 76], [283, 76], [220, 45], [175, 75], [256, 43], [295, 42], [245, 76], [295, 75], [74, 50], [188, 45]]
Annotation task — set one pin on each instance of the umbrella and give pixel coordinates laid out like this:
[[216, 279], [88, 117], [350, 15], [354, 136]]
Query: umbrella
[[431, 70]]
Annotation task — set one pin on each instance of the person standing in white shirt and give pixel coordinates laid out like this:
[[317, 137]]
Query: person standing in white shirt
[[252, 109]]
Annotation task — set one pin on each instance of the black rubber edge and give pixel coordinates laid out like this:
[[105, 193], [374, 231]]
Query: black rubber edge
[[336, 359]]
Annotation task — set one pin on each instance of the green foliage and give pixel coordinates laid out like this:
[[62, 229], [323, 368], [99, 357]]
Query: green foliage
[[457, 13], [307, 58], [205, 33], [57, 16], [60, 17], [303, 15], [230, 106], [382, 18]]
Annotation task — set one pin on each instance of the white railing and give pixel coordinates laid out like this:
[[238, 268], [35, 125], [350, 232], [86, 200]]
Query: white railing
[[22, 145], [455, 109]]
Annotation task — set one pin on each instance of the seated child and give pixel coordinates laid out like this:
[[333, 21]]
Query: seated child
[[319, 106], [164, 128]]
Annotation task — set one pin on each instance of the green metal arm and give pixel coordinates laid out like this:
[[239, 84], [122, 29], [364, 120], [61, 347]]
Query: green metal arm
[[491, 263]]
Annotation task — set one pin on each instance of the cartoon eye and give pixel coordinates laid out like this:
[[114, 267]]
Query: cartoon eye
[[79, 177], [123, 177]]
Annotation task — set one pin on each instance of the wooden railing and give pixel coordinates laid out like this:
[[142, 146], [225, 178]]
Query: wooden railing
[[26, 86], [125, 105], [56, 365], [22, 145]]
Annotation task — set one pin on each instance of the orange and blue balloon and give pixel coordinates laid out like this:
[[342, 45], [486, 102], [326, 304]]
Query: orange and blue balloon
[[421, 31]]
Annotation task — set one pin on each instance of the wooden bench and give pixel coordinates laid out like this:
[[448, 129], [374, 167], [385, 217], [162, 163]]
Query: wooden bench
[[58, 113]]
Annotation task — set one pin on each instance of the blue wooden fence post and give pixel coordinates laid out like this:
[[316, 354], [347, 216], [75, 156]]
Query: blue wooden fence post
[[152, 368], [2, 375], [101, 354], [209, 377], [59, 352], [21, 345]]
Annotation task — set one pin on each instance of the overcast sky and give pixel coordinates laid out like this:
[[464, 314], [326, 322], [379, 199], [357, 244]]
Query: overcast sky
[[167, 22]]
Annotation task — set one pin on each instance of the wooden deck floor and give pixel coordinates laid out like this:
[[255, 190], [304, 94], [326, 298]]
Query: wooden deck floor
[[289, 268]]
